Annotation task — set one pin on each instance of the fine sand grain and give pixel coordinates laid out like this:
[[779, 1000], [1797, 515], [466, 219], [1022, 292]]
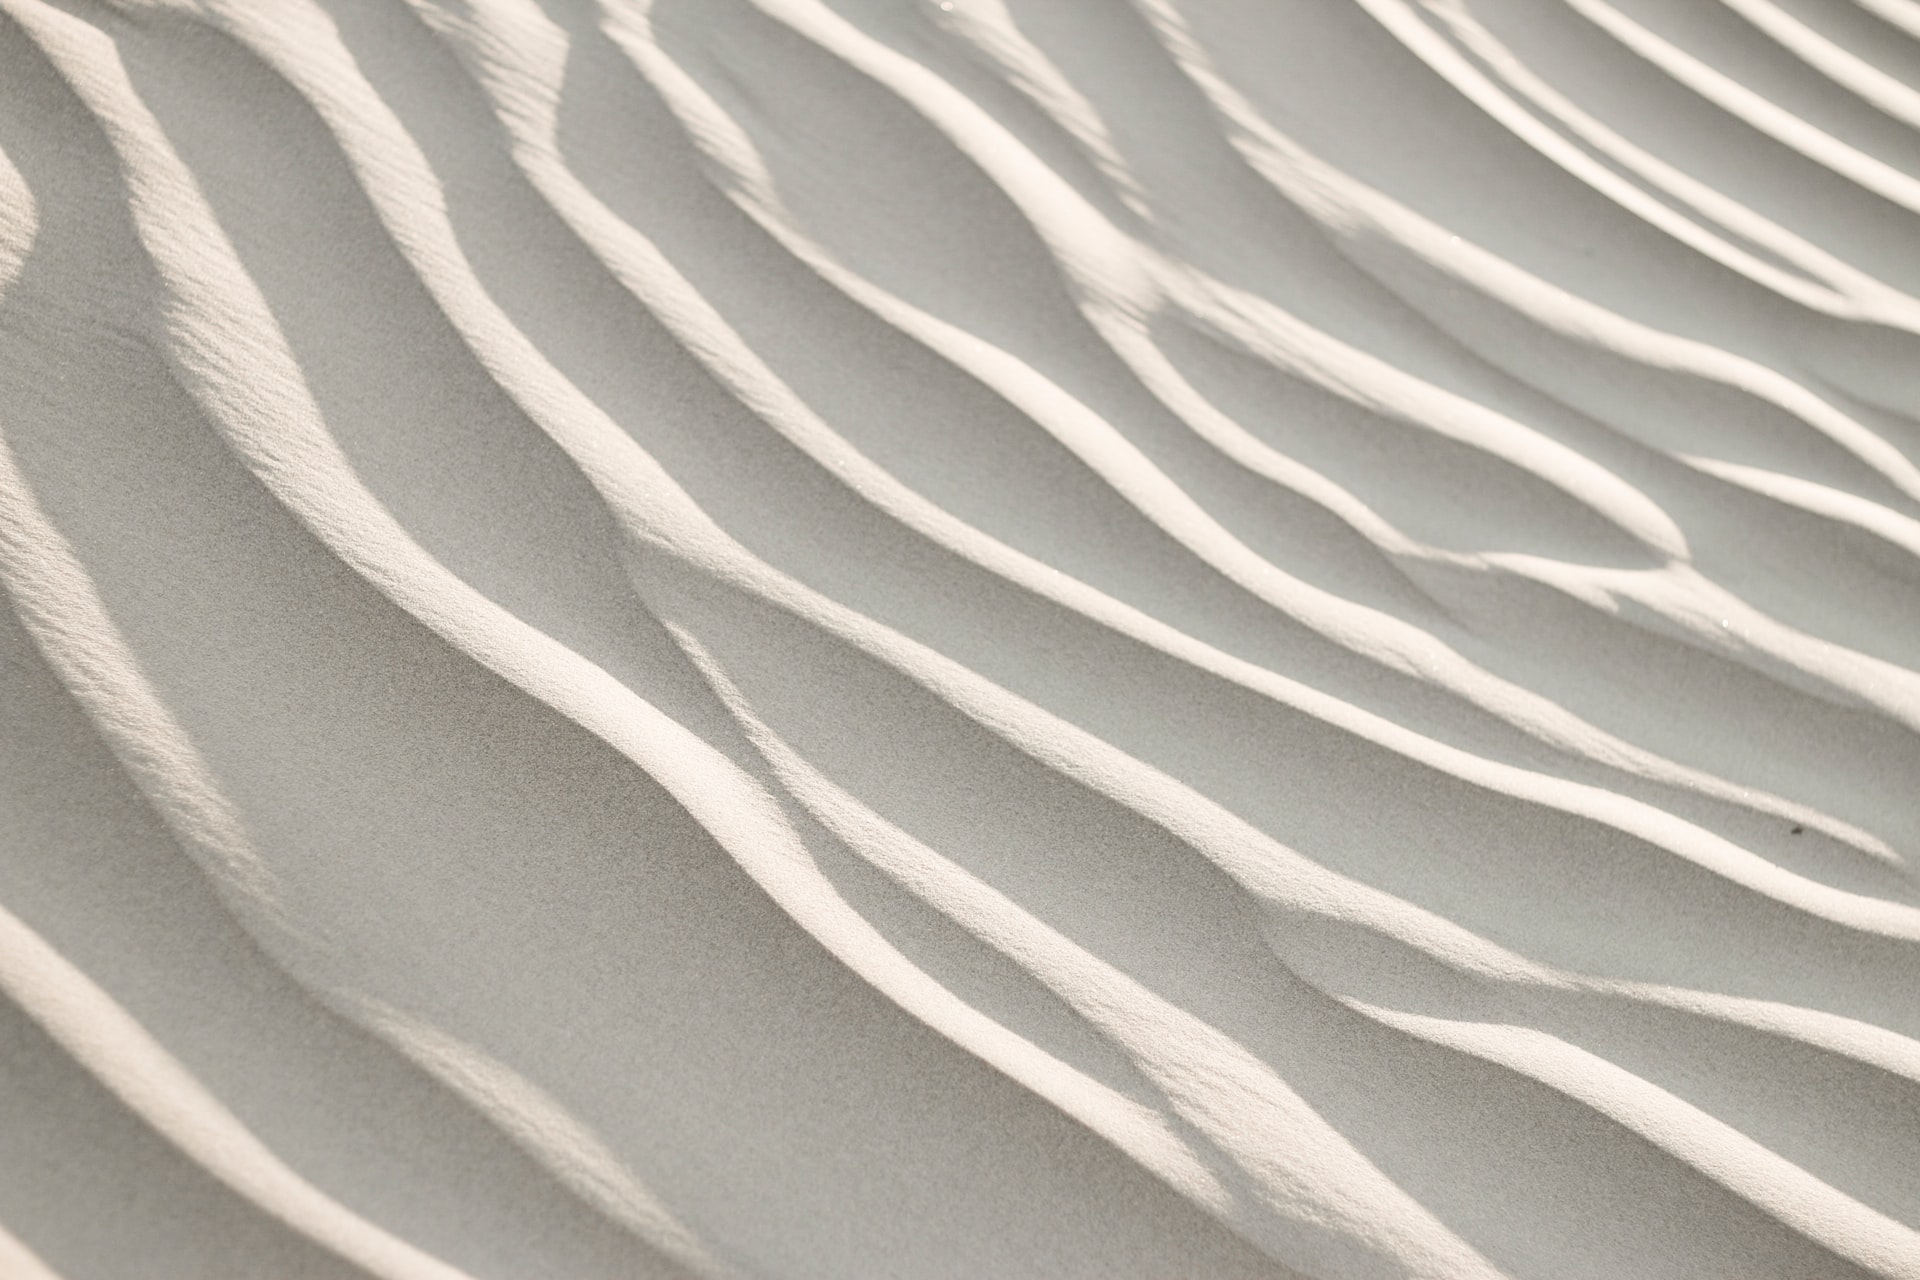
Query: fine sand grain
[[842, 639]]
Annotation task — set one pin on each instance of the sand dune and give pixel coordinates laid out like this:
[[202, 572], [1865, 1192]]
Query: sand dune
[[857, 638]]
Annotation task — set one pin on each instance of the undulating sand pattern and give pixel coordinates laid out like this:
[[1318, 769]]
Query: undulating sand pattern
[[968, 638]]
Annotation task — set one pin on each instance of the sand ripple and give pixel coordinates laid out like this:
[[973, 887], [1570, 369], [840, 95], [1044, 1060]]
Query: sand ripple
[[853, 638]]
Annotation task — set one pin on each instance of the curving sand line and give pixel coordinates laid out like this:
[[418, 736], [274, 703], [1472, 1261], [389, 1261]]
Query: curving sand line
[[843, 638]]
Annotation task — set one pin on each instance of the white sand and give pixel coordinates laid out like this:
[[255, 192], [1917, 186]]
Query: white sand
[[1006, 638]]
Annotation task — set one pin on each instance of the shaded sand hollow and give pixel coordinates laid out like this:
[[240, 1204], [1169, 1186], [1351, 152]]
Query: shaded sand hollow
[[995, 638]]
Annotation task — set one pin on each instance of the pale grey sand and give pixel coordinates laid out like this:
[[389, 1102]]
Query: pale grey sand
[[988, 638]]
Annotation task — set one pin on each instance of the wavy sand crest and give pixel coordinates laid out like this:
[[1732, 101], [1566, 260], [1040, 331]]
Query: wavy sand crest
[[856, 638]]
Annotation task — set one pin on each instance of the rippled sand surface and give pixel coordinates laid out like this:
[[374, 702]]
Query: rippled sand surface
[[991, 638]]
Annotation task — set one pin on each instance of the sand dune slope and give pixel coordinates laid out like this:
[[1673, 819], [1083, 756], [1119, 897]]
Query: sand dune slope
[[959, 638]]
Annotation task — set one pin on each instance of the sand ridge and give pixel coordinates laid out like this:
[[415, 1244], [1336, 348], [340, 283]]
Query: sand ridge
[[858, 638]]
